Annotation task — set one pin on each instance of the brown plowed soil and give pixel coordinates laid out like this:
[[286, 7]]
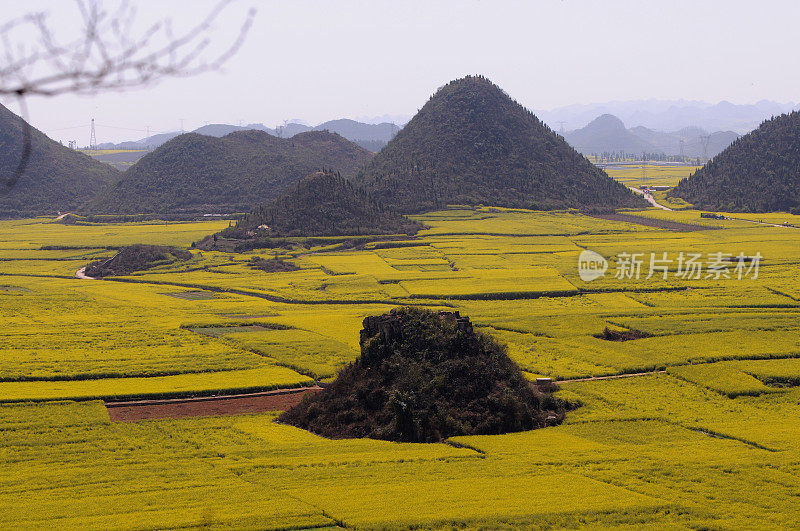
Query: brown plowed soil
[[277, 400], [650, 222]]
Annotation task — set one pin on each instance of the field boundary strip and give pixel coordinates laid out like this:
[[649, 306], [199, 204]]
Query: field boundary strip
[[239, 404], [676, 226], [153, 401], [612, 376]]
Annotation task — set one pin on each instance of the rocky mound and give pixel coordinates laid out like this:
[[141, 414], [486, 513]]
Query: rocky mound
[[759, 172], [423, 377], [136, 258], [472, 144]]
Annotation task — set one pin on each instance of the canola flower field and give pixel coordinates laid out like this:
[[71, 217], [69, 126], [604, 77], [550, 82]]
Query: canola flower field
[[650, 174], [701, 433]]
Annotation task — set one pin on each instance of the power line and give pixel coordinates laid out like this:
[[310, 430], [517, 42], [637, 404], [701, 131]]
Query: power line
[[103, 126], [66, 128], [146, 130]]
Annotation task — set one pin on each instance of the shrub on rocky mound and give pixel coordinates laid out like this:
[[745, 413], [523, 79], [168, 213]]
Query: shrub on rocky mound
[[423, 377], [136, 257]]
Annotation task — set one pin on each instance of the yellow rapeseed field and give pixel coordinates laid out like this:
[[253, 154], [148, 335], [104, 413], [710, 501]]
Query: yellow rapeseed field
[[696, 427]]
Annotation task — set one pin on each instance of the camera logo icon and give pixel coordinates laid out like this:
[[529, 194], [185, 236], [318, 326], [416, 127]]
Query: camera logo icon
[[591, 265]]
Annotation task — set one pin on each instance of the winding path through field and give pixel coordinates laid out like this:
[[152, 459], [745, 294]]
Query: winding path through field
[[649, 198], [81, 273], [765, 223]]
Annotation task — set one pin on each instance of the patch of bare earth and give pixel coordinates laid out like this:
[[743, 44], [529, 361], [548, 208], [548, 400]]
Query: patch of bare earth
[[277, 400]]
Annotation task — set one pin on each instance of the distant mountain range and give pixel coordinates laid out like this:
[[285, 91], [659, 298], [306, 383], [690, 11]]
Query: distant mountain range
[[669, 115], [371, 137], [607, 134], [659, 125]]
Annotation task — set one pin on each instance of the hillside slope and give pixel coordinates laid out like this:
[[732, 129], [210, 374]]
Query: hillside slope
[[56, 178], [759, 172], [202, 174], [472, 144]]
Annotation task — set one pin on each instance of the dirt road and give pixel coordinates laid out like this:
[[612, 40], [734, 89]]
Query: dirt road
[[275, 400], [649, 198], [765, 223], [81, 273]]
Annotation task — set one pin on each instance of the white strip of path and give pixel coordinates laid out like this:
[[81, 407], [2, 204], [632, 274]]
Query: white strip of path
[[649, 198]]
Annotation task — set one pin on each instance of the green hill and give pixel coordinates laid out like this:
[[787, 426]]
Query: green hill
[[199, 174], [472, 144], [56, 178], [759, 172], [321, 204], [425, 376]]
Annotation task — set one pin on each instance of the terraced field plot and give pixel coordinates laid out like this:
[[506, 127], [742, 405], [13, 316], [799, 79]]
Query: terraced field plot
[[710, 443], [651, 174]]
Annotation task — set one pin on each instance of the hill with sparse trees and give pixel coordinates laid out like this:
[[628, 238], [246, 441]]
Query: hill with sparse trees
[[199, 174], [759, 172], [472, 144], [55, 178]]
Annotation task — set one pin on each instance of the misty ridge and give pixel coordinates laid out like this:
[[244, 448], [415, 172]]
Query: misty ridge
[[607, 134], [669, 115], [370, 136], [665, 127]]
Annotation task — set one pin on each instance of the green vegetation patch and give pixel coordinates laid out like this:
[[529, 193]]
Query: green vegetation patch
[[422, 377], [136, 258], [320, 205]]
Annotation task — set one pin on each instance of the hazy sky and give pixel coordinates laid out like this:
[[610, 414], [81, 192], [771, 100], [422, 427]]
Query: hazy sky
[[319, 60]]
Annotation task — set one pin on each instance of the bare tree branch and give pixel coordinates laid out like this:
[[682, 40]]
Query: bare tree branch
[[106, 56]]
